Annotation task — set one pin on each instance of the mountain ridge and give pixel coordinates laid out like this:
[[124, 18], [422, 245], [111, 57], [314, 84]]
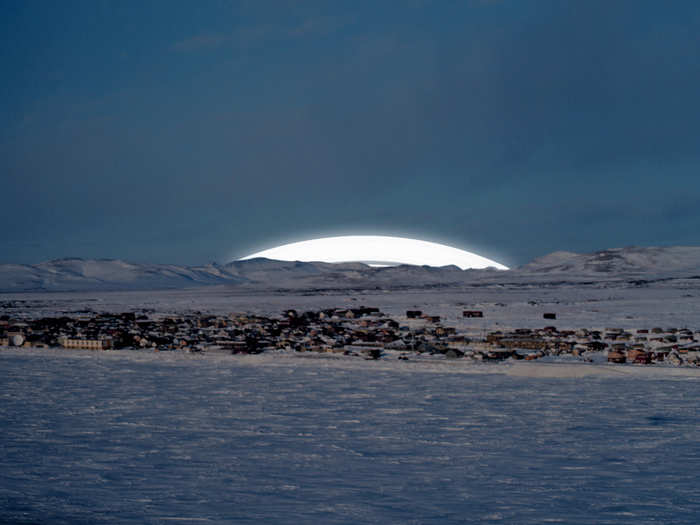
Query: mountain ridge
[[80, 274], [628, 260]]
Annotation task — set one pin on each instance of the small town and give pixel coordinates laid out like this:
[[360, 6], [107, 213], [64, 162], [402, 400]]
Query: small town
[[363, 332]]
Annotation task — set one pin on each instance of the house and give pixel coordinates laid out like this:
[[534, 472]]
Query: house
[[636, 356], [662, 352], [498, 354], [596, 346], [616, 357], [524, 343], [643, 358], [85, 344]]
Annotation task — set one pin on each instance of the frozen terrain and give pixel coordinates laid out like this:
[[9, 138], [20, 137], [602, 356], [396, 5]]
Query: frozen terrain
[[141, 437], [135, 437], [674, 303], [635, 265]]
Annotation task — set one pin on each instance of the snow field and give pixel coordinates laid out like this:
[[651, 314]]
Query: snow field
[[137, 437]]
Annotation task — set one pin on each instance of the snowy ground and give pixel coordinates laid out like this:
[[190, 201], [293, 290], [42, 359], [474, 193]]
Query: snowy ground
[[664, 304], [138, 437], [141, 437]]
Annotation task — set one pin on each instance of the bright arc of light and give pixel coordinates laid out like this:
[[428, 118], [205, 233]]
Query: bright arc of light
[[376, 250]]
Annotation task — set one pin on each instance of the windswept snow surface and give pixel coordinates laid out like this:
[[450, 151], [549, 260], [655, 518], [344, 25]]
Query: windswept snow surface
[[135, 437]]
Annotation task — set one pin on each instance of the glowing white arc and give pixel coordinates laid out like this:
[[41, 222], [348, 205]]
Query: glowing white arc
[[376, 249]]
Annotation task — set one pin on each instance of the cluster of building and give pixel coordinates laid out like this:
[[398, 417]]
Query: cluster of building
[[363, 331], [642, 346]]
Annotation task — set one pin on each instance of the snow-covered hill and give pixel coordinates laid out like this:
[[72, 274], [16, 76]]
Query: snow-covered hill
[[263, 274], [619, 261], [107, 274], [266, 274]]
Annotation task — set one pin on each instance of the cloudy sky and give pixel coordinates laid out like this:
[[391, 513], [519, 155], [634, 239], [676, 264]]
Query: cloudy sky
[[199, 131]]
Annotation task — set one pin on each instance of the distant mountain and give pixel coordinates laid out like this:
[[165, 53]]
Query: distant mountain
[[269, 275], [619, 261], [254, 274], [105, 274]]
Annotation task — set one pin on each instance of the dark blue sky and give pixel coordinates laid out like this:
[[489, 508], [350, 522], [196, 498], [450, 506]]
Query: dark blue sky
[[191, 132]]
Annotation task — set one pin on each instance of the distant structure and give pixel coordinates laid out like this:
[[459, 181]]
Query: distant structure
[[472, 313], [12, 338], [550, 316], [362, 332], [85, 344]]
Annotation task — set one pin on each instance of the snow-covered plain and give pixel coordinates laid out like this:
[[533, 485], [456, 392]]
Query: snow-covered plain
[[140, 437], [673, 303]]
